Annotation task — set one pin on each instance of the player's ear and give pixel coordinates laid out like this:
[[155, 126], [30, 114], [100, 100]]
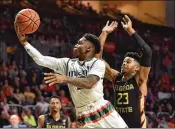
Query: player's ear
[[88, 49], [137, 68]]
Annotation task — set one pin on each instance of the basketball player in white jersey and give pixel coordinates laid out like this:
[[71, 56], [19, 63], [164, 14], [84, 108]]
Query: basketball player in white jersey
[[84, 76]]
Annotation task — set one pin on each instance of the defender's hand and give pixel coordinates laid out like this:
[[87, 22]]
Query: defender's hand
[[127, 25], [110, 28], [20, 35], [53, 78]]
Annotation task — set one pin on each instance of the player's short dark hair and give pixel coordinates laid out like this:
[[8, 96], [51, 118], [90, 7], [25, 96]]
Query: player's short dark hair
[[55, 97], [94, 40], [134, 55]]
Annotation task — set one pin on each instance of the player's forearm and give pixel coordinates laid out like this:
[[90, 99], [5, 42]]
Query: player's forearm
[[79, 82], [36, 55], [130, 31], [102, 39], [146, 50], [32, 51]]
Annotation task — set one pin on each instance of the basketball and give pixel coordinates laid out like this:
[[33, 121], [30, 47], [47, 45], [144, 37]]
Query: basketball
[[28, 21]]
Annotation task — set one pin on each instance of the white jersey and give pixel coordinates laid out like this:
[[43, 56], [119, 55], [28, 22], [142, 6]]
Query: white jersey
[[82, 97], [74, 68]]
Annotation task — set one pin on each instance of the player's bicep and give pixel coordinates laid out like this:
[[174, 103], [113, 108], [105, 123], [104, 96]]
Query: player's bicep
[[98, 69], [143, 73], [110, 73], [58, 65], [93, 79]]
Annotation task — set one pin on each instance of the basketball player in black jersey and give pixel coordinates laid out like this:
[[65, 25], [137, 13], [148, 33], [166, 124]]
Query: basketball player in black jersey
[[54, 119], [130, 84]]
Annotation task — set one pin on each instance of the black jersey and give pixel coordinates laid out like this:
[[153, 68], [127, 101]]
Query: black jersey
[[49, 122], [129, 102]]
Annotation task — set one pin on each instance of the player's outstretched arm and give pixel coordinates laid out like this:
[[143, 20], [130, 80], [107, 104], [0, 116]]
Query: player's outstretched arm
[[105, 31], [110, 73], [146, 50], [46, 61], [94, 75], [87, 83], [146, 53]]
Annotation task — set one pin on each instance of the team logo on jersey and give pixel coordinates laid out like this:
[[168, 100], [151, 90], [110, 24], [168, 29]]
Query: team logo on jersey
[[82, 73], [64, 121]]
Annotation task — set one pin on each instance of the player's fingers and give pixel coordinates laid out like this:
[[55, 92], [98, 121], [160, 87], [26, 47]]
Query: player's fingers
[[122, 24], [107, 23], [112, 23], [49, 74], [125, 21], [53, 83], [16, 27], [50, 80], [49, 77], [115, 23], [127, 18]]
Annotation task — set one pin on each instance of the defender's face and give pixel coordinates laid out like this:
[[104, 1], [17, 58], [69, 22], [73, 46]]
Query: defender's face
[[81, 48], [55, 105], [129, 65]]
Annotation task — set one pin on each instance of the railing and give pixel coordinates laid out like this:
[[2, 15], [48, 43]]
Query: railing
[[153, 17], [20, 107]]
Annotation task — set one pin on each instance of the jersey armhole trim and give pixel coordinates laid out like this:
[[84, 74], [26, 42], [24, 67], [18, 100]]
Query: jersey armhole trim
[[93, 63], [67, 67]]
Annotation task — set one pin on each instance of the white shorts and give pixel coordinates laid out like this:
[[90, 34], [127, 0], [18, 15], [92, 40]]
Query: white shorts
[[100, 114]]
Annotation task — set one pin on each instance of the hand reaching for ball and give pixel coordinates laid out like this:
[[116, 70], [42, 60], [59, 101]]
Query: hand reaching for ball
[[20, 35], [27, 21]]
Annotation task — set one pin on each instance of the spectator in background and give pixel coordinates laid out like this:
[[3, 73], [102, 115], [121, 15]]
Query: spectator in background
[[3, 118], [6, 88], [19, 96], [29, 118], [41, 106], [14, 120], [64, 100], [29, 96]]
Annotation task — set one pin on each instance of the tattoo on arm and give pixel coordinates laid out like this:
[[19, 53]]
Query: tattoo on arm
[[87, 82]]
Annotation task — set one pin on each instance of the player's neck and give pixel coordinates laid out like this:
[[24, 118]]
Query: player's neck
[[56, 115], [85, 58], [127, 76]]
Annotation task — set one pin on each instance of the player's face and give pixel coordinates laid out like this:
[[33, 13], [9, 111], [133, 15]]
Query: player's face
[[129, 65], [55, 105], [82, 47]]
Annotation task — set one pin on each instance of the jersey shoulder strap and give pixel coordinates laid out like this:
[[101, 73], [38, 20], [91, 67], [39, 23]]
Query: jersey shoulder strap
[[93, 63], [64, 119]]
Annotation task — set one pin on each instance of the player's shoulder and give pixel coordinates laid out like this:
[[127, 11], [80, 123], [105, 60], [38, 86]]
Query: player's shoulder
[[64, 116], [74, 59], [99, 61], [43, 116], [65, 59]]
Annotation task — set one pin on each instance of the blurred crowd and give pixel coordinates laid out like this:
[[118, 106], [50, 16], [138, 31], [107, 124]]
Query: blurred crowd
[[23, 91]]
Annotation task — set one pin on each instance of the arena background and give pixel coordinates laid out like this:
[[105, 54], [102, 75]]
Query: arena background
[[22, 89]]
